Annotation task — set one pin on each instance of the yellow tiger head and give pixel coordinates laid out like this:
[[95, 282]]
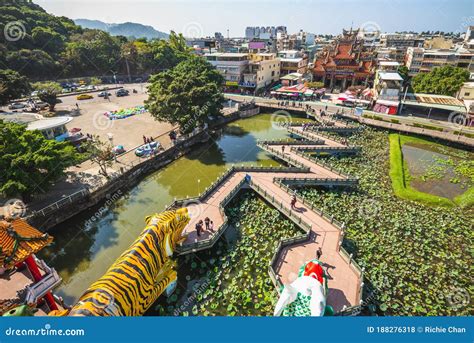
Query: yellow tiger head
[[172, 224]]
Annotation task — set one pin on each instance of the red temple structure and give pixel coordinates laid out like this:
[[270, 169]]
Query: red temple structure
[[345, 63], [24, 279]]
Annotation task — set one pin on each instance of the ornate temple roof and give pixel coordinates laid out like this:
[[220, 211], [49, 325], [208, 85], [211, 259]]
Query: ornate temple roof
[[18, 240]]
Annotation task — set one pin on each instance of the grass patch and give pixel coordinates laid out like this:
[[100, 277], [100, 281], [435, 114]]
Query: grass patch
[[465, 200], [395, 121]]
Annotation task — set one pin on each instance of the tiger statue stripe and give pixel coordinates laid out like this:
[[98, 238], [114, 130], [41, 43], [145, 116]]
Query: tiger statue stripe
[[140, 275]]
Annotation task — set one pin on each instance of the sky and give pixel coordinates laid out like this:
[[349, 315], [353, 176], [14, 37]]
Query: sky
[[197, 18]]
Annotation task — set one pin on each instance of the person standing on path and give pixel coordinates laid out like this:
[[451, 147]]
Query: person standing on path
[[206, 221], [293, 202], [198, 229], [319, 253]]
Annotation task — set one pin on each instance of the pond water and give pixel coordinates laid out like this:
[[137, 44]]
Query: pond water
[[438, 170], [82, 253]]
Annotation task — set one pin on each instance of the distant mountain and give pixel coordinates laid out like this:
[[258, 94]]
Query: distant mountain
[[126, 29]]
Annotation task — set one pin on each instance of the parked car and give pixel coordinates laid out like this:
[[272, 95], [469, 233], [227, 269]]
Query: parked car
[[41, 104], [90, 87], [103, 93], [34, 93], [122, 92], [16, 106], [84, 97], [81, 88]]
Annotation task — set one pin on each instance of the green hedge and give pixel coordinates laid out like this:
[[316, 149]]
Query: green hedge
[[428, 127], [467, 134], [399, 175]]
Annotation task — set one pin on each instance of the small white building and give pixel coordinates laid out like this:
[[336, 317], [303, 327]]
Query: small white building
[[51, 128], [466, 92]]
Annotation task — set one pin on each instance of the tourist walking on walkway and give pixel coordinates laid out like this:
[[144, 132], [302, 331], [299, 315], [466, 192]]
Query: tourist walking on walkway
[[211, 226], [206, 221], [319, 253], [144, 139], [293, 202], [283, 149]]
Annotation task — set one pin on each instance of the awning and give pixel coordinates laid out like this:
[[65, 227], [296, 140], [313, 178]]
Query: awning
[[309, 92], [388, 103]]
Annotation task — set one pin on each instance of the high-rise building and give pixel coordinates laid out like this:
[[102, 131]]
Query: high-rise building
[[262, 32]]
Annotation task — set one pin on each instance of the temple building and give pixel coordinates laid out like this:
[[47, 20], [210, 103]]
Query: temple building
[[345, 63], [25, 281]]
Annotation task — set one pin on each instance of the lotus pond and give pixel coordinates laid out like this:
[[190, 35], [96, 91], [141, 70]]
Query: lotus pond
[[416, 256], [437, 169]]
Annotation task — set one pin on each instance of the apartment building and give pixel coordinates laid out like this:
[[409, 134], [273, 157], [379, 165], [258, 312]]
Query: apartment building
[[424, 60], [230, 65], [293, 61], [263, 70], [401, 40]]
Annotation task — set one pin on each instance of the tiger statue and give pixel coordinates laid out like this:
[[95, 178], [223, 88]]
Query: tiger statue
[[140, 275]]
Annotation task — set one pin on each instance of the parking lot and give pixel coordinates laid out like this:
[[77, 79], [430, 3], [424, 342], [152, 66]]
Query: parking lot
[[90, 117]]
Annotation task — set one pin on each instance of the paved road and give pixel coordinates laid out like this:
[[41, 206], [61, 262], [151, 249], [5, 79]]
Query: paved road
[[333, 108]]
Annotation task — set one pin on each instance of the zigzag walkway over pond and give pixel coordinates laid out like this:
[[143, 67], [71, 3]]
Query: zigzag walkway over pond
[[320, 230]]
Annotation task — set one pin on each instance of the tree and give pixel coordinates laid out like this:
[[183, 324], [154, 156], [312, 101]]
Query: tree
[[29, 162], [445, 80], [100, 153], [186, 95], [95, 81], [48, 92], [12, 86]]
